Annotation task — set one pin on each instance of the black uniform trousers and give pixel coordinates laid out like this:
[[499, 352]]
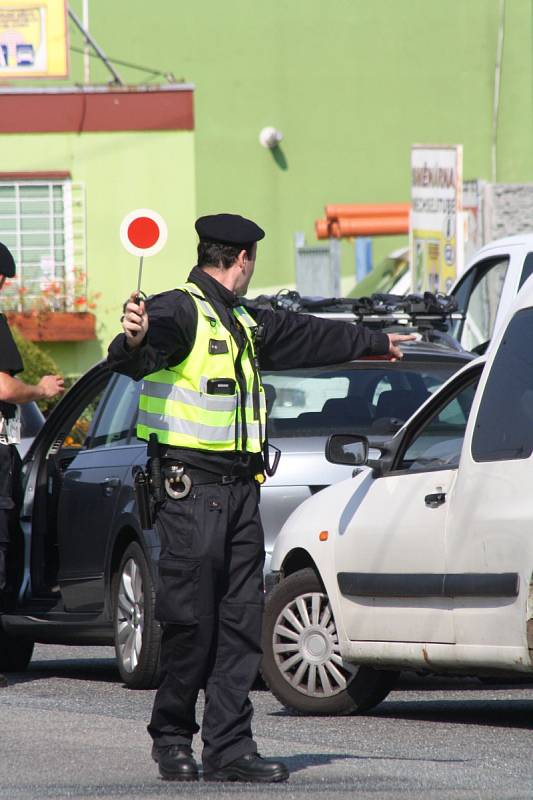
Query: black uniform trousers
[[210, 603], [9, 502]]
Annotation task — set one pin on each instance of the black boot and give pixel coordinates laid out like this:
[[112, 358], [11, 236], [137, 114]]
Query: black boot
[[175, 763], [252, 768]]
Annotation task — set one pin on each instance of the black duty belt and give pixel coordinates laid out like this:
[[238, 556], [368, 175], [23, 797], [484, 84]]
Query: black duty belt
[[179, 478]]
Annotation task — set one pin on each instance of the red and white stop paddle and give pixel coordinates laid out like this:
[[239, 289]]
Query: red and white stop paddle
[[143, 233]]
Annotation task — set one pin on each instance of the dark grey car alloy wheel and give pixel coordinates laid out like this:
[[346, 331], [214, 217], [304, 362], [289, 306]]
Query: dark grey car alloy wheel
[[137, 634]]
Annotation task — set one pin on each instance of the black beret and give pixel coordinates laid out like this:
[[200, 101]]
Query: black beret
[[228, 229], [7, 262]]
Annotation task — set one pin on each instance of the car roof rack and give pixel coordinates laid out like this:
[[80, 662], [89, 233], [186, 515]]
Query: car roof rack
[[428, 314], [379, 307]]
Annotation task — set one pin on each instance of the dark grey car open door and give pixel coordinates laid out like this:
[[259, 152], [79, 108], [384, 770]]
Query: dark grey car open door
[[92, 484]]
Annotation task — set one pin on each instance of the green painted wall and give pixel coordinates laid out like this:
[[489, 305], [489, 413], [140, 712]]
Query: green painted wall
[[121, 172], [351, 83]]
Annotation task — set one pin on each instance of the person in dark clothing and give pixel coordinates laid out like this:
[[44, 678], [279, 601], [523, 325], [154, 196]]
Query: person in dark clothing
[[199, 350], [12, 392]]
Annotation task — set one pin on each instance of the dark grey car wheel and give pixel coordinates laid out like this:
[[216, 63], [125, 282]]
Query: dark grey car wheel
[[15, 653], [137, 634], [302, 664]]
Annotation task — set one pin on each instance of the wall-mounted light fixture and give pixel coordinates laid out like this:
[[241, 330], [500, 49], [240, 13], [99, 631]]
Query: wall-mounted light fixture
[[270, 137]]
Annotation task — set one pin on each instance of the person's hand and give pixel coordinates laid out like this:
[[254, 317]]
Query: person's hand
[[50, 385], [134, 321], [394, 340]]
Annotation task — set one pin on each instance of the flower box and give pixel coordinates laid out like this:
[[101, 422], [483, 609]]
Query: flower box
[[54, 326]]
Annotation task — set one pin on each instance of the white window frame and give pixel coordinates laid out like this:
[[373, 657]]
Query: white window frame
[[73, 218]]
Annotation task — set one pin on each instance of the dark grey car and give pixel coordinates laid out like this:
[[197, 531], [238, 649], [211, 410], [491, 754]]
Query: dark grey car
[[86, 572]]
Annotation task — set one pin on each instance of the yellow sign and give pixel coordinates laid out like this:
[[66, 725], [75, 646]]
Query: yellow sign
[[33, 39], [436, 217]]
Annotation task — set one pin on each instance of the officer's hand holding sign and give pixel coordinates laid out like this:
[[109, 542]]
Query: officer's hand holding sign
[[143, 233], [135, 320]]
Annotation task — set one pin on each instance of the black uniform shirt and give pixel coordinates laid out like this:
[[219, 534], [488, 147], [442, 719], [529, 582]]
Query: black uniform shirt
[[10, 361], [288, 340]]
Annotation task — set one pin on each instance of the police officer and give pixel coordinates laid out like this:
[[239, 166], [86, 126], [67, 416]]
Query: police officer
[[12, 392], [199, 351]]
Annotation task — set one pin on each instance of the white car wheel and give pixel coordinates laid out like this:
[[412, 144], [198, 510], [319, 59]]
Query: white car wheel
[[306, 647], [302, 665]]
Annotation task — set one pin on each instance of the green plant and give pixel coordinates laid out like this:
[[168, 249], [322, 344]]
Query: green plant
[[36, 364]]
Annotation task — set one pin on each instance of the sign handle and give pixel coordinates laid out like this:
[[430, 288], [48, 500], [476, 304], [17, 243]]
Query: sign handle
[[138, 296]]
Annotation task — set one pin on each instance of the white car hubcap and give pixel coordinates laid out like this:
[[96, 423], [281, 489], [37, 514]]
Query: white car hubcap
[[306, 647]]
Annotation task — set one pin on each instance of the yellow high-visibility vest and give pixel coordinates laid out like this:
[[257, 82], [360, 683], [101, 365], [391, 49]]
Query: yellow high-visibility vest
[[199, 403]]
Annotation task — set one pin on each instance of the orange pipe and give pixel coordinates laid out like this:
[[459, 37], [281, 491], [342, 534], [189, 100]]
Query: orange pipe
[[325, 229], [371, 226], [322, 229], [366, 226], [367, 210]]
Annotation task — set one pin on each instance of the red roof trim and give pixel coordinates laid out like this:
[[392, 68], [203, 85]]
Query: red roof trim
[[57, 175], [80, 111]]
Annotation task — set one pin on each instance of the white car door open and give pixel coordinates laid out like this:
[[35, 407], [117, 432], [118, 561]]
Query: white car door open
[[391, 556]]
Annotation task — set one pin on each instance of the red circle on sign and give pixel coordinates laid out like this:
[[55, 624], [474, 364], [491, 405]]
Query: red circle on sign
[[143, 232]]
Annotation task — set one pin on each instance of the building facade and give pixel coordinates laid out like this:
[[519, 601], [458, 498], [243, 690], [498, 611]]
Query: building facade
[[351, 84], [73, 163]]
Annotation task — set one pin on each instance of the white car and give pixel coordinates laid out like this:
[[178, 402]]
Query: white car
[[488, 287], [424, 562]]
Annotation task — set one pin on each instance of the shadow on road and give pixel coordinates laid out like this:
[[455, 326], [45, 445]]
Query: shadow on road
[[500, 711], [504, 713], [431, 683], [305, 760], [302, 761], [68, 669]]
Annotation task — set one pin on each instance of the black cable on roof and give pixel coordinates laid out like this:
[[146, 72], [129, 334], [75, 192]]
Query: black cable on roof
[[169, 76]]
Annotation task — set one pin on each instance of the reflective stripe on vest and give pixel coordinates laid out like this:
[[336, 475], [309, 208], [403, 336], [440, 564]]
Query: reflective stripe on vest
[[178, 403], [208, 434]]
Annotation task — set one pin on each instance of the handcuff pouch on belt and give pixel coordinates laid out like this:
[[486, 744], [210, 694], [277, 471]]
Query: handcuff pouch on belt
[[177, 483], [149, 496]]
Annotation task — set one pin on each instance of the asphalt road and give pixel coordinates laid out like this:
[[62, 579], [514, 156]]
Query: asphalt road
[[70, 730]]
